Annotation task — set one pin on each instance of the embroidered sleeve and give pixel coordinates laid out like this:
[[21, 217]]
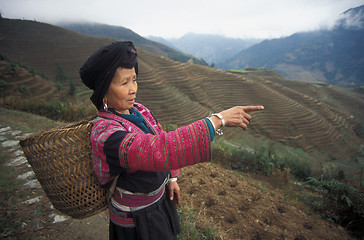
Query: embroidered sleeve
[[166, 151]]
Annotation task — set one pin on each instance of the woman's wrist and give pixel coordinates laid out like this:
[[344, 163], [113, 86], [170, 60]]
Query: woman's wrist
[[218, 122], [172, 180]]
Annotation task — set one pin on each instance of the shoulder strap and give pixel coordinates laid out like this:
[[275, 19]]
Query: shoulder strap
[[111, 189]]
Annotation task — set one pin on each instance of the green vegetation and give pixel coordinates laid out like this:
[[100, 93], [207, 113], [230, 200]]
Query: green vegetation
[[25, 122], [84, 92], [265, 160], [192, 230], [169, 127], [3, 86], [8, 198], [60, 74], [359, 130], [72, 89], [56, 109], [61, 78], [338, 202], [23, 88], [247, 70], [59, 86]]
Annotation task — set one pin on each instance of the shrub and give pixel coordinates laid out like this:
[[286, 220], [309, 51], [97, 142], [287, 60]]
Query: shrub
[[44, 76], [30, 69], [340, 202], [60, 74], [59, 86], [169, 126], [264, 160], [222, 153], [24, 88], [3, 86], [299, 168], [359, 130], [72, 89]]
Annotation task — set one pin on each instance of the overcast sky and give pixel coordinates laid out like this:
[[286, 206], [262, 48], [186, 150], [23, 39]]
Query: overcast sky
[[168, 18]]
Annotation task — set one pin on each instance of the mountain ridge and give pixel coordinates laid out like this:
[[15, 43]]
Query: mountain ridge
[[121, 34], [334, 56], [213, 48]]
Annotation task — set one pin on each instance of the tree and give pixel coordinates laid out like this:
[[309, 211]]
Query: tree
[[72, 89], [60, 75]]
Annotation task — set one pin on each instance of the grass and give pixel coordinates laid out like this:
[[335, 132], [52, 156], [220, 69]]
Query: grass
[[191, 229], [8, 199], [25, 122], [248, 70], [84, 92]]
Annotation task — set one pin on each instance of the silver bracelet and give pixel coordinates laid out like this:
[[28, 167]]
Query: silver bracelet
[[172, 180], [219, 131]]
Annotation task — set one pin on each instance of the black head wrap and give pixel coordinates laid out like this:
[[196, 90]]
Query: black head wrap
[[98, 71]]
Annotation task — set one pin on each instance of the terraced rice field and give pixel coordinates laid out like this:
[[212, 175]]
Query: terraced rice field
[[314, 116], [296, 114]]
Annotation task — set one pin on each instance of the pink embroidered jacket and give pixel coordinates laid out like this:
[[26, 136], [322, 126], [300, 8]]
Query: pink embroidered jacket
[[142, 160], [137, 150]]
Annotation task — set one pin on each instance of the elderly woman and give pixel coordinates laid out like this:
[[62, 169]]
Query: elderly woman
[[130, 148]]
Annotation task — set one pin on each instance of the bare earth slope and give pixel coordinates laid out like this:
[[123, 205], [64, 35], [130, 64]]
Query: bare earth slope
[[243, 208]]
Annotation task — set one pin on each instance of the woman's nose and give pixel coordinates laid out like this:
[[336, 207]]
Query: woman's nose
[[133, 89]]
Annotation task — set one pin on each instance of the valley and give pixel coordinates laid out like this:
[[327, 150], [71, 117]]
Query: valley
[[318, 123]]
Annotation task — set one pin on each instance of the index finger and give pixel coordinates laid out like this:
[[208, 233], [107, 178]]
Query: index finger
[[253, 108]]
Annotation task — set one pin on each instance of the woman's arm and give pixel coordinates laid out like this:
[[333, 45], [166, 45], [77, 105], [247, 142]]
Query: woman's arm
[[185, 146], [166, 151]]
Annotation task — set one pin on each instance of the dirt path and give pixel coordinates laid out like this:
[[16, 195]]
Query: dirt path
[[240, 207], [35, 216]]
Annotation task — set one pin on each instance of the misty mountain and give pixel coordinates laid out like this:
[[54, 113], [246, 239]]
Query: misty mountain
[[210, 47], [162, 41], [124, 34], [335, 56]]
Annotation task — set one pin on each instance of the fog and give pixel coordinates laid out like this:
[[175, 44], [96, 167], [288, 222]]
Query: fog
[[163, 18]]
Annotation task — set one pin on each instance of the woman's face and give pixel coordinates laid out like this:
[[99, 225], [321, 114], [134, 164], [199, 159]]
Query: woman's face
[[122, 90]]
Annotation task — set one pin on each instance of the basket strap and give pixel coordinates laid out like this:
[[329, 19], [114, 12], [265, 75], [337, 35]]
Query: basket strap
[[97, 118], [111, 189]]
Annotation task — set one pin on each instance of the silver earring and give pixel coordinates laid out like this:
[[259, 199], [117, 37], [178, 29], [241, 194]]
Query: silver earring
[[105, 107]]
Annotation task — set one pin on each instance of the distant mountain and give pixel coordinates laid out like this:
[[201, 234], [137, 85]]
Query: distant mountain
[[335, 56], [162, 41], [210, 47], [123, 34]]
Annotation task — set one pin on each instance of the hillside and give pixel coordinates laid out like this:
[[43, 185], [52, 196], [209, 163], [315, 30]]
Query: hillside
[[235, 206], [324, 120], [334, 56], [122, 34]]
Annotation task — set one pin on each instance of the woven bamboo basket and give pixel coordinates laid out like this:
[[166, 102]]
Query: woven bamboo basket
[[61, 160]]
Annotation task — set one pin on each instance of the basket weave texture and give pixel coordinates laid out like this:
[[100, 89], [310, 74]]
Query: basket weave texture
[[61, 160]]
